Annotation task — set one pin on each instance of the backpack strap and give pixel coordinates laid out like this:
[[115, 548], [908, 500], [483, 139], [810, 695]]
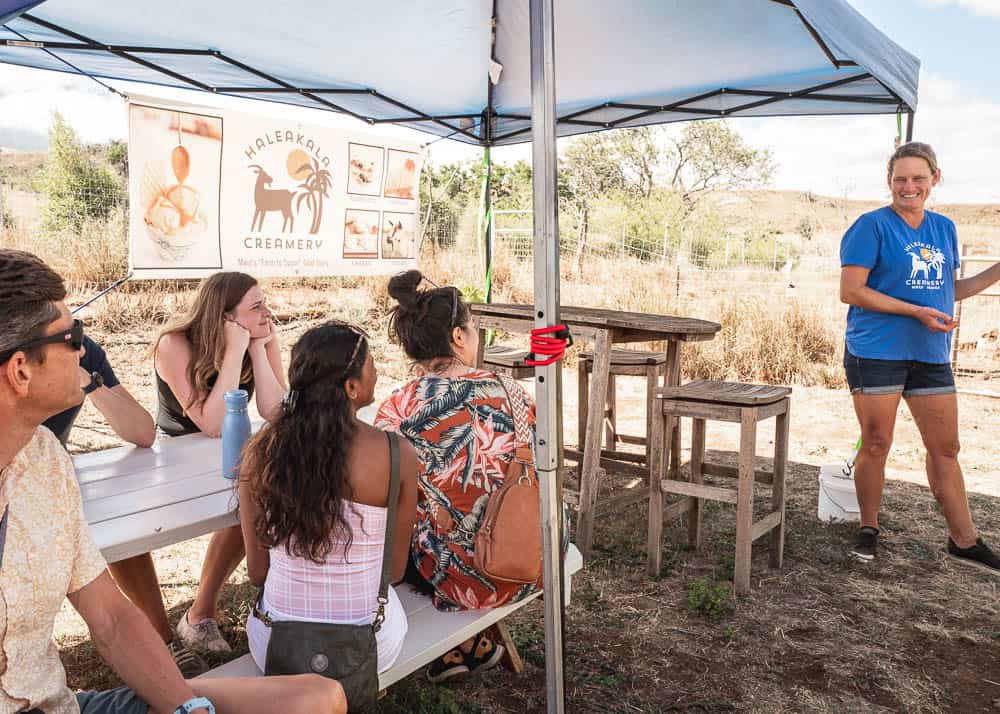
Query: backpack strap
[[523, 439]]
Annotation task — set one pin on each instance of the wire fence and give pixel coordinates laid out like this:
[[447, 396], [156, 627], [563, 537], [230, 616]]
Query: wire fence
[[85, 232]]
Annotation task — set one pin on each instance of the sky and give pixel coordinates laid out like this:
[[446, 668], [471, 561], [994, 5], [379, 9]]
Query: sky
[[958, 112]]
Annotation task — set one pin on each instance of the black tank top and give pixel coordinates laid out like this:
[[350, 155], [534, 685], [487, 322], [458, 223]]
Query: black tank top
[[170, 416]]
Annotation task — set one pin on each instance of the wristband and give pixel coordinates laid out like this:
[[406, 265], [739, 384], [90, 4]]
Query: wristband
[[195, 703]]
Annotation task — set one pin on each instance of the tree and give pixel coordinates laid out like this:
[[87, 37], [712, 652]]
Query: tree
[[116, 154], [712, 156], [75, 186]]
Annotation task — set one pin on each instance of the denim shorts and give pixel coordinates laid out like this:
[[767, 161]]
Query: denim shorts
[[116, 701], [895, 376]]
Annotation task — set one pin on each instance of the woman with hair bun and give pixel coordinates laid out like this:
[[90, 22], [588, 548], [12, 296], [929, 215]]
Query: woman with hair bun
[[461, 422], [898, 276]]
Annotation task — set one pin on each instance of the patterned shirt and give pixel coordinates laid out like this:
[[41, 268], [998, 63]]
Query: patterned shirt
[[48, 552], [462, 430]]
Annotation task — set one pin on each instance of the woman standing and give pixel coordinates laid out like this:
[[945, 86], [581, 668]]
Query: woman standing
[[898, 276], [225, 341], [313, 498], [461, 423]]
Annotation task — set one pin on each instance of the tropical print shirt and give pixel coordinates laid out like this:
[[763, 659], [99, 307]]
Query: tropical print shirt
[[462, 430]]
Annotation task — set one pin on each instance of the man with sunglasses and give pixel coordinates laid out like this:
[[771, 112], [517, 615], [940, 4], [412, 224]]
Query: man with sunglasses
[[46, 550]]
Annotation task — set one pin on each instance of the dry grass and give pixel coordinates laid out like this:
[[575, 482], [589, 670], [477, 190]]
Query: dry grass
[[758, 343]]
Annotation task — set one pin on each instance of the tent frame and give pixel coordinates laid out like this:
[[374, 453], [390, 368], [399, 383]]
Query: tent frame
[[472, 127]]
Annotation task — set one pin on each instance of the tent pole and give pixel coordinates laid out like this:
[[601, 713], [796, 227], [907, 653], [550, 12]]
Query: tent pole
[[909, 125], [548, 457], [488, 217], [488, 160]]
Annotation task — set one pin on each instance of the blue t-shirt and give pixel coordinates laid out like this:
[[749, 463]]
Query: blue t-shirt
[[93, 360], [916, 265]]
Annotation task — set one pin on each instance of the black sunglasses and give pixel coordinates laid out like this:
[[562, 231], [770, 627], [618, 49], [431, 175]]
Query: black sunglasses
[[72, 337]]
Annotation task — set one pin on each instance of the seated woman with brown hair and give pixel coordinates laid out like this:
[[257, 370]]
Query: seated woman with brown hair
[[314, 508], [461, 422], [226, 340]]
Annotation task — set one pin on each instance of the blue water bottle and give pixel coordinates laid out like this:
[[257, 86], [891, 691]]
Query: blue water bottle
[[235, 431]]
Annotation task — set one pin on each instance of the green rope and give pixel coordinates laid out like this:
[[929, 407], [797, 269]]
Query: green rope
[[484, 223]]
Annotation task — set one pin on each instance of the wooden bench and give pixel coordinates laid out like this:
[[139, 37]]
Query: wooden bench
[[431, 633]]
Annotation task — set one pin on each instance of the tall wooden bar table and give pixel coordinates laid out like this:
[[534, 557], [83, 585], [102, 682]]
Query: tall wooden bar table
[[604, 329]]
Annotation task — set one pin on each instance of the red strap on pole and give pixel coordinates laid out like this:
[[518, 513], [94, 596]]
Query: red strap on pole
[[550, 343]]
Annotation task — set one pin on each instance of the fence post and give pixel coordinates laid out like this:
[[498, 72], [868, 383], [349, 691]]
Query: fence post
[[958, 313], [774, 260]]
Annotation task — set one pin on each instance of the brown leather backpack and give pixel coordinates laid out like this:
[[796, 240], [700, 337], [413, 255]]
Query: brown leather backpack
[[509, 542]]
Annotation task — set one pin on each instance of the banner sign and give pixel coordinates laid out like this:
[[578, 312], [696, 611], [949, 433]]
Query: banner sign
[[214, 190]]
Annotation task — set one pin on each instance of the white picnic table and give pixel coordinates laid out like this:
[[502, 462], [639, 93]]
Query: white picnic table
[[137, 500]]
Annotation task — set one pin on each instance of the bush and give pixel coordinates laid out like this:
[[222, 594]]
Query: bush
[[711, 599], [77, 189]]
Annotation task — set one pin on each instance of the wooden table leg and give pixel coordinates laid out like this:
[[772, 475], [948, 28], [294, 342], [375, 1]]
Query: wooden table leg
[[673, 379], [744, 500], [592, 441], [656, 458], [583, 399]]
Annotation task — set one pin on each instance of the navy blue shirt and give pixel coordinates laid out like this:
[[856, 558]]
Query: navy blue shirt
[[916, 265], [93, 360]]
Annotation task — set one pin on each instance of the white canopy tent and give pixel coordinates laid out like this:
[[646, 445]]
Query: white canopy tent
[[483, 72]]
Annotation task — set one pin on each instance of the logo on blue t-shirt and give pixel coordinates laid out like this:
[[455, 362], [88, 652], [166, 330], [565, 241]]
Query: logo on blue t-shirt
[[925, 261]]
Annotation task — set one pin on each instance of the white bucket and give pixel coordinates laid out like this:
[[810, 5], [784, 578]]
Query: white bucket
[[838, 503]]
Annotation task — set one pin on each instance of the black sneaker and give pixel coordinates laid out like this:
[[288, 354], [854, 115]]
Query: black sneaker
[[866, 544], [978, 556]]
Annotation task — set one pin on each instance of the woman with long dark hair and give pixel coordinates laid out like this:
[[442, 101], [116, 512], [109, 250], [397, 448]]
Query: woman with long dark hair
[[226, 340], [313, 497], [461, 421]]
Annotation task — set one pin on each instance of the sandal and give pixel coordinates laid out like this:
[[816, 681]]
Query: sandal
[[485, 654]]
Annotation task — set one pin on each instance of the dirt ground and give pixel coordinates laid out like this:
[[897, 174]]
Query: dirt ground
[[912, 632]]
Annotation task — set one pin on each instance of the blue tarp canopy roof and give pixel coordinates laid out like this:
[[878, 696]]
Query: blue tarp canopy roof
[[426, 63]]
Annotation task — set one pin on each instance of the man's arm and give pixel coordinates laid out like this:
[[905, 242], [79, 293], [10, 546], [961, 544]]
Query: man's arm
[[127, 417], [126, 641], [975, 284]]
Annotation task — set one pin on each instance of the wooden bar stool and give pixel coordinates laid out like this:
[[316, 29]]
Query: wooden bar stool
[[745, 404], [507, 360], [624, 363]]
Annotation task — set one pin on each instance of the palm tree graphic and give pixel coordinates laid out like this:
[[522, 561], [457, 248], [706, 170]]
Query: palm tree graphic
[[316, 187]]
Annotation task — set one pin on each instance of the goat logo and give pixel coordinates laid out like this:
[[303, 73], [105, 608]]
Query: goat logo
[[922, 263], [267, 200], [314, 186]]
